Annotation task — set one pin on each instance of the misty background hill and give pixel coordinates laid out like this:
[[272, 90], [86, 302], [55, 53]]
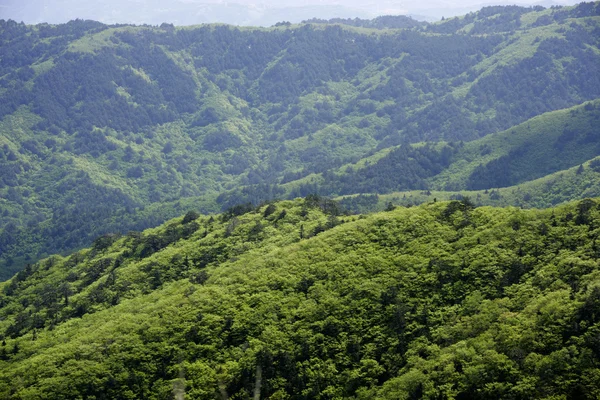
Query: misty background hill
[[240, 12]]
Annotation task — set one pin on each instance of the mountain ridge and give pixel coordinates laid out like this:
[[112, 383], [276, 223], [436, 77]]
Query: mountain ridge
[[123, 118], [387, 305]]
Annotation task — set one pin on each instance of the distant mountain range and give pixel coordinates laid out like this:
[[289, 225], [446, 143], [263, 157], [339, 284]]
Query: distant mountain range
[[240, 12], [111, 128]]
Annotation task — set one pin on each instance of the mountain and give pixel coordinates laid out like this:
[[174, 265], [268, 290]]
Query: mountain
[[180, 12], [295, 300], [111, 128], [541, 146], [239, 12], [577, 182]]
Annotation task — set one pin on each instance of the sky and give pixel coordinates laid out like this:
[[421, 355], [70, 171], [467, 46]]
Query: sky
[[238, 12]]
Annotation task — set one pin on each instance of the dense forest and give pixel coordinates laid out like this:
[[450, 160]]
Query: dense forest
[[539, 147], [106, 129], [297, 300]]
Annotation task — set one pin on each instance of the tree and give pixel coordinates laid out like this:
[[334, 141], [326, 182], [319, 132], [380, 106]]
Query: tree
[[190, 216]]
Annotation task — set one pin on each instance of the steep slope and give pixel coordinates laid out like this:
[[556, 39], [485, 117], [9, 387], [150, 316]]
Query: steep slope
[[100, 122], [543, 145], [440, 300], [578, 182]]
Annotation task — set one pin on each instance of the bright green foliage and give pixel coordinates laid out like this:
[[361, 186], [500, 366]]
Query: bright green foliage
[[106, 129], [443, 300]]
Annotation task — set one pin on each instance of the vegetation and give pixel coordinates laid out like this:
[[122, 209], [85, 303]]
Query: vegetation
[[382, 22], [106, 129], [295, 300], [577, 182], [539, 147]]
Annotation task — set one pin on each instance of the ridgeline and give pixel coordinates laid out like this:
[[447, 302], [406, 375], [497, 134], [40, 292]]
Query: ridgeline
[[106, 129], [295, 300]]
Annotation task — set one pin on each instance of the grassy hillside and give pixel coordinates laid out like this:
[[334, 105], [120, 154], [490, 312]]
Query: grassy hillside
[[99, 122], [578, 182], [543, 145], [290, 300], [539, 147]]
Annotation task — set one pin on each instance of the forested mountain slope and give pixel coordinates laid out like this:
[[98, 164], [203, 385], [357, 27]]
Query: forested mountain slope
[[291, 300], [538, 147], [577, 182], [99, 122]]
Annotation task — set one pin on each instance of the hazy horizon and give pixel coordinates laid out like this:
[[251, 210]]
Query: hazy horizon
[[238, 12]]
